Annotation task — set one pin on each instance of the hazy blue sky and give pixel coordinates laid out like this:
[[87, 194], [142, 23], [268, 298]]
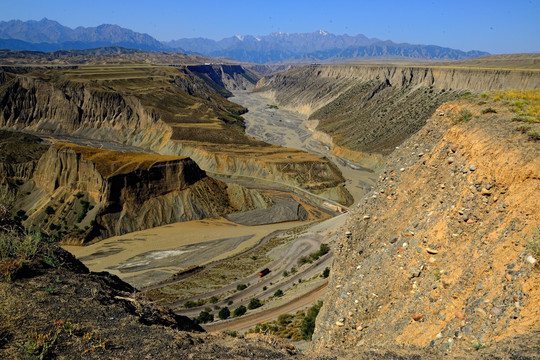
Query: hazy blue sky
[[497, 26]]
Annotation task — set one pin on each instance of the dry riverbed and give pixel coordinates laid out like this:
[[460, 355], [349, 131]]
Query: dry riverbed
[[267, 122]]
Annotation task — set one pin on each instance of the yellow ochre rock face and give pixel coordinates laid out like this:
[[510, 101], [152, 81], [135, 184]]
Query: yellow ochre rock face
[[125, 192], [440, 253]]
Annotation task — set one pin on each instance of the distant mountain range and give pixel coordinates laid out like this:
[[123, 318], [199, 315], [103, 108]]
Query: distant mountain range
[[319, 46], [48, 35]]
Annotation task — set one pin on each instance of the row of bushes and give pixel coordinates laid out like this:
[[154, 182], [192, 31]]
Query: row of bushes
[[206, 315]]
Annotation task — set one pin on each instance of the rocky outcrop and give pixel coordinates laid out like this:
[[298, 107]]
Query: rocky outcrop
[[102, 193], [315, 174], [372, 109], [440, 253], [19, 155]]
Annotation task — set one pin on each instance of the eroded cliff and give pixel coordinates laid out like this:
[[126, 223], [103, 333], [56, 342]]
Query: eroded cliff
[[374, 108], [85, 193], [442, 253], [167, 110]]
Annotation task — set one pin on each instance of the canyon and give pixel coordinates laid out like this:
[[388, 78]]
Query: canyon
[[436, 167]]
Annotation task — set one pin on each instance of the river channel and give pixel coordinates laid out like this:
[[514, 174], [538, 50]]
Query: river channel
[[286, 128]]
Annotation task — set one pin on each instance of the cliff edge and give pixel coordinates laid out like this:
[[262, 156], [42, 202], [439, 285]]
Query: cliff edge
[[443, 254]]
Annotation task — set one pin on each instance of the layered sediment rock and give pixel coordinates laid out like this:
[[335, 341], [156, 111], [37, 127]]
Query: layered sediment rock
[[230, 77], [100, 193], [74, 109], [87, 110], [374, 108]]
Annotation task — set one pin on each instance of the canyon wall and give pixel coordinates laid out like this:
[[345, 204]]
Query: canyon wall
[[373, 109], [74, 109], [230, 77], [85, 193], [63, 107]]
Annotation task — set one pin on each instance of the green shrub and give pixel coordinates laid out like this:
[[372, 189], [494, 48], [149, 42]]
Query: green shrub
[[278, 293], [254, 303], [308, 324], [224, 313], [85, 207], [241, 287], [204, 317], [239, 311], [49, 210], [533, 244], [230, 333], [191, 304], [464, 115], [323, 250], [326, 272]]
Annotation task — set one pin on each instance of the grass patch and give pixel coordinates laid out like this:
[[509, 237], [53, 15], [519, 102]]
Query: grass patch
[[464, 115], [295, 327], [533, 135], [525, 103], [533, 244], [10, 314], [526, 118], [18, 249]]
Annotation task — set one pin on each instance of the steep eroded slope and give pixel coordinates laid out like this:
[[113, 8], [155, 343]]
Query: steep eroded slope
[[438, 258], [372, 108], [82, 193]]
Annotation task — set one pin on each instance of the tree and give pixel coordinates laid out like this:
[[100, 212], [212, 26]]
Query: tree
[[326, 272], [278, 293], [239, 311], [254, 303], [204, 317], [224, 313]]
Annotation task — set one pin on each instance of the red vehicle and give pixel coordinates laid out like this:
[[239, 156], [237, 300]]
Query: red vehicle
[[264, 272]]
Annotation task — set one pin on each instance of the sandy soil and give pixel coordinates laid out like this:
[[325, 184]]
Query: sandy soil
[[286, 128], [149, 256]]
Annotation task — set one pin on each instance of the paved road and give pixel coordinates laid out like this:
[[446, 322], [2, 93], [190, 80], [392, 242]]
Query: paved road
[[323, 232], [249, 321]]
